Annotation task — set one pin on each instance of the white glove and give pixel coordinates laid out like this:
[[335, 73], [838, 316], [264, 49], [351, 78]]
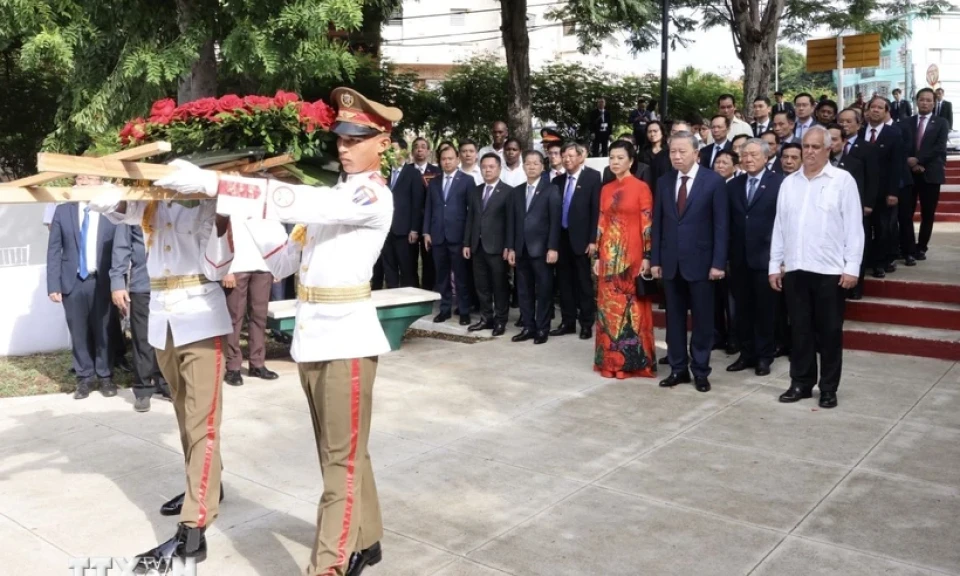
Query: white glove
[[190, 179], [107, 201]]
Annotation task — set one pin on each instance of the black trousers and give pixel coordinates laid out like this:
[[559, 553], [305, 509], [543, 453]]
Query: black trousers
[[535, 287], [447, 258], [428, 273], [868, 254], [884, 222], [147, 371], [117, 338], [574, 277], [698, 298], [600, 144], [87, 309], [756, 313], [781, 328], [929, 195], [905, 210], [493, 285], [816, 317], [399, 262], [724, 328]]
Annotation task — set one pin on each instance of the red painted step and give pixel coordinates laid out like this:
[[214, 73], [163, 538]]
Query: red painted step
[[904, 313], [945, 207], [939, 217], [915, 291]]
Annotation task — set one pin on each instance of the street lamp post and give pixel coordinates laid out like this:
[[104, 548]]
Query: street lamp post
[[664, 68]]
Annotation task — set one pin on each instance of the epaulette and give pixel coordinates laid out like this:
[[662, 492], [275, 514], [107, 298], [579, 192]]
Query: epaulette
[[378, 178]]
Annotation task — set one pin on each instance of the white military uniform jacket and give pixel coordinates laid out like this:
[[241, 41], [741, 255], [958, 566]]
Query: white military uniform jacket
[[346, 226], [184, 243]]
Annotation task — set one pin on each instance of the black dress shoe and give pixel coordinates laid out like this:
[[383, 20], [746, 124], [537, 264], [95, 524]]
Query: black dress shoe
[[186, 543], [909, 261], [794, 394], [519, 323], [741, 364], [586, 333], [828, 399], [162, 389], [719, 345], [262, 373], [464, 319], [921, 256], [107, 388], [855, 294], [233, 378], [879, 273], [732, 349], [523, 336], [480, 325], [702, 384], [541, 337], [665, 361], [781, 351], [441, 317], [499, 329], [674, 379], [141, 404], [123, 364], [364, 558], [563, 329], [173, 506], [83, 389], [763, 368], [890, 268]]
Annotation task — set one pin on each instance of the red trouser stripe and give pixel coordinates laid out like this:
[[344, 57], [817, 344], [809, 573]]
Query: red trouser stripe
[[351, 466], [211, 435]]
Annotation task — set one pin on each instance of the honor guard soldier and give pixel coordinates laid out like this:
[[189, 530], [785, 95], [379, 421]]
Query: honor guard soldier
[[188, 252], [339, 235]]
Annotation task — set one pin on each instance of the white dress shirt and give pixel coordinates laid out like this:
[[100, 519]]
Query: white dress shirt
[[184, 242], [763, 127], [48, 210], [513, 177], [801, 128], [246, 255], [474, 172], [488, 149], [93, 226], [421, 167], [819, 224], [555, 173], [871, 128], [738, 127], [692, 174]]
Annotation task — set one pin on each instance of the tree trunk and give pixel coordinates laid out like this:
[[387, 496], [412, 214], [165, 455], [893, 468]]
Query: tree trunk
[[755, 35], [201, 80], [516, 44]]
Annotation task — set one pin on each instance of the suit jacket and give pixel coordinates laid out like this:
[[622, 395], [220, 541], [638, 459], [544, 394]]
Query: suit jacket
[[890, 160], [707, 152], [782, 107], [445, 220], [751, 225], [409, 193], [63, 249], [946, 112], [870, 186], [776, 167], [755, 127], [129, 258], [692, 243], [490, 226], [932, 153], [598, 117], [900, 111], [538, 228], [584, 212], [856, 168]]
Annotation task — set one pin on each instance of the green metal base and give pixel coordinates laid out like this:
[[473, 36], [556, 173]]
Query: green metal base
[[394, 319]]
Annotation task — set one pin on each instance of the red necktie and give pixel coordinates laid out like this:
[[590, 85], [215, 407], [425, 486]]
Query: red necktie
[[920, 126], [682, 195], [873, 135]]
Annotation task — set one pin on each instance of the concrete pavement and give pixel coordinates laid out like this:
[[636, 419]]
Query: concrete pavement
[[497, 458]]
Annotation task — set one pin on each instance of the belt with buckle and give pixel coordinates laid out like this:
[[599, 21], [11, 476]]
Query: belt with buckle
[[174, 282], [333, 295]]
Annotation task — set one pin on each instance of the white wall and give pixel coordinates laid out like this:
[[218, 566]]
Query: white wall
[[29, 321], [935, 41]]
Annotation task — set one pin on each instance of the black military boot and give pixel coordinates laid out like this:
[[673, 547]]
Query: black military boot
[[186, 543]]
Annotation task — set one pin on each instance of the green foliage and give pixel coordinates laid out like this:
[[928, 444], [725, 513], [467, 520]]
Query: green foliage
[[116, 58], [598, 20], [473, 96], [794, 77], [28, 102]]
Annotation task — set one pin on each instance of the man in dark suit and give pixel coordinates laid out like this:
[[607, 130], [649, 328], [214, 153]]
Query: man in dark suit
[[690, 235], [856, 167], [900, 110], [601, 124], [753, 209], [78, 275], [943, 108], [535, 248], [580, 212], [761, 116], [444, 221], [856, 147], [421, 161], [781, 105], [926, 140], [400, 248], [784, 126], [638, 119], [719, 127], [486, 238], [888, 142]]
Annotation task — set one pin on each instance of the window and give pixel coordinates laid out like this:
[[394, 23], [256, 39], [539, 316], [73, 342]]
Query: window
[[531, 20], [396, 17], [885, 61], [569, 27], [458, 16]]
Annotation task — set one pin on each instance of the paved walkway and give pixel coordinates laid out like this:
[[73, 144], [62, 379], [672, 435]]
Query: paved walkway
[[497, 458]]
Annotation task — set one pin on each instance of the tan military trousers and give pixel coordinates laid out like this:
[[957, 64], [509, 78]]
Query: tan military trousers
[[340, 395], [195, 374]]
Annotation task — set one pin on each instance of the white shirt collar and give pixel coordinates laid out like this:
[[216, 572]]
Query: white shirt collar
[[576, 174], [758, 176], [807, 123], [828, 171], [692, 174], [450, 174], [494, 185]]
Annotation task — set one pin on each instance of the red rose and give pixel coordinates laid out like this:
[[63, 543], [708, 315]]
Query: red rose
[[163, 107], [229, 103], [325, 114], [316, 115], [258, 102], [134, 130], [202, 108], [283, 98]]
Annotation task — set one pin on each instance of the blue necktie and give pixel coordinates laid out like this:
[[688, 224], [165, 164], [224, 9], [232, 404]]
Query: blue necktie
[[393, 179], [567, 197], [751, 191], [84, 227], [446, 187]]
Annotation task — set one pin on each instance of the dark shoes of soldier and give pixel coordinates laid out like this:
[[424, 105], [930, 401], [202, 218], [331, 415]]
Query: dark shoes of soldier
[[107, 388], [186, 543], [233, 378], [263, 373], [360, 560], [83, 389], [173, 506], [141, 404]]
